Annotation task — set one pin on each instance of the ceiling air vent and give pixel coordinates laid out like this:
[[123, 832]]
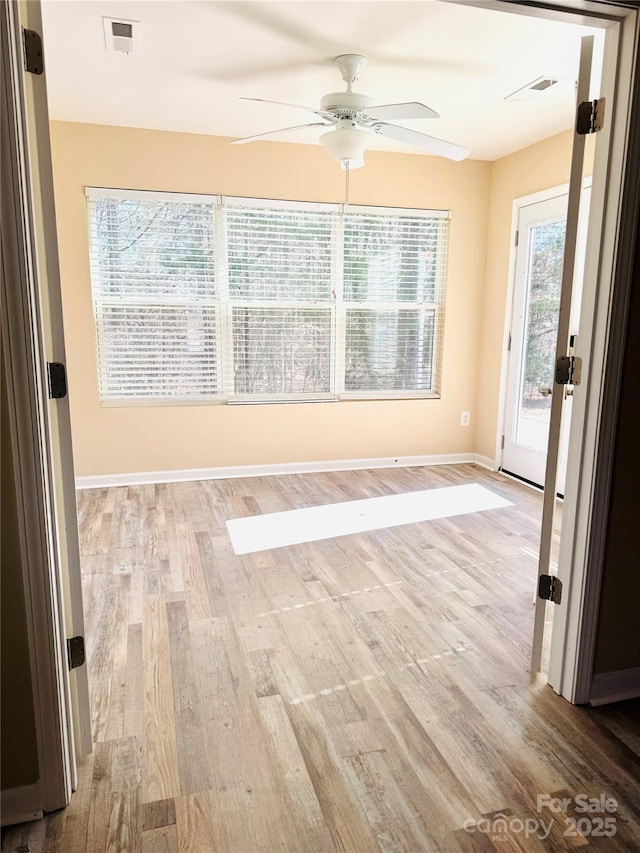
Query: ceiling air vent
[[121, 36], [540, 84]]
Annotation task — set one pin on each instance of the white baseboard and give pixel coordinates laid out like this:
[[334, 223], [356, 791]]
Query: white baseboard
[[615, 686], [100, 481], [485, 462]]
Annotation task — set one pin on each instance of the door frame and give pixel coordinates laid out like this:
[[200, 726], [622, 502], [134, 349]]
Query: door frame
[[33, 335], [512, 291], [60, 472], [617, 181], [27, 401], [613, 223], [518, 204]]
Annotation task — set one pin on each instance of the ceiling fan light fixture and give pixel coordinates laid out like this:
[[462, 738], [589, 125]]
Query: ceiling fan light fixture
[[346, 145]]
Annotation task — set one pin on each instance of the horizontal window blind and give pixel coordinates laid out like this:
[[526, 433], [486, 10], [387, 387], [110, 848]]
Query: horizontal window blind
[[282, 351], [278, 255], [389, 350], [155, 301], [394, 273], [279, 273], [198, 297], [156, 351]]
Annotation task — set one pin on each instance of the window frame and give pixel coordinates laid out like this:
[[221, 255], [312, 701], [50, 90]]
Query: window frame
[[401, 305], [337, 307]]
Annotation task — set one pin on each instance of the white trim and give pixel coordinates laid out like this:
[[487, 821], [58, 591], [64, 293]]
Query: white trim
[[21, 804], [101, 481], [485, 462], [348, 396], [231, 201], [615, 686], [557, 400], [149, 195], [57, 437], [384, 210]]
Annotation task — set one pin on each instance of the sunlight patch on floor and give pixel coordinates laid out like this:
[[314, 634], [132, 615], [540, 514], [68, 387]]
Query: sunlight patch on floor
[[311, 524]]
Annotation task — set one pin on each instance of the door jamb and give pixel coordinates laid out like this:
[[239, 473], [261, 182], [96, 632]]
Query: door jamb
[[591, 466], [61, 478], [27, 399]]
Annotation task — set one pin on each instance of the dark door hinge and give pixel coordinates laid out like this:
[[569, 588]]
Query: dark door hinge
[[57, 380], [590, 117], [550, 588], [509, 343], [517, 238], [501, 442], [75, 652], [568, 370], [33, 61]]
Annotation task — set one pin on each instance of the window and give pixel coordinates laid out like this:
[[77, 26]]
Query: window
[[155, 298], [391, 296], [280, 299], [202, 298]]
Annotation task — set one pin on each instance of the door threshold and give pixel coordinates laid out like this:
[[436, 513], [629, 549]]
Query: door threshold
[[526, 482]]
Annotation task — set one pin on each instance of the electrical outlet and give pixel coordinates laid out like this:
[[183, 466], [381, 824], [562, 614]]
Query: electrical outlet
[[465, 418]]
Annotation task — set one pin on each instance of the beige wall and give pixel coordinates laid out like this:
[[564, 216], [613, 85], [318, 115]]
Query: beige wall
[[480, 196], [116, 440]]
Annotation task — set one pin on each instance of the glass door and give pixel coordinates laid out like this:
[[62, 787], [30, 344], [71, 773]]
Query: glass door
[[534, 330]]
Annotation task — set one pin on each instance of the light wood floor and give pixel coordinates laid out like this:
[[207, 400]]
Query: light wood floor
[[363, 693]]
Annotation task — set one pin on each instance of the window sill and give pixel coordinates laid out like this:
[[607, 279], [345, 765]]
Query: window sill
[[161, 402], [347, 396], [265, 401]]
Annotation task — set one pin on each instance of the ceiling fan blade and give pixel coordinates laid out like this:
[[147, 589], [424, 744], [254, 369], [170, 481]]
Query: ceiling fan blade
[[322, 113], [421, 140], [275, 132], [412, 109]]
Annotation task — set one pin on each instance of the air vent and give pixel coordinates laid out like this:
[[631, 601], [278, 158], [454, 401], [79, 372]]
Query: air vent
[[121, 36], [540, 84]]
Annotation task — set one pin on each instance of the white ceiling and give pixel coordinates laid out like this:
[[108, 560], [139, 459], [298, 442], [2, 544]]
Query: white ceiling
[[197, 58]]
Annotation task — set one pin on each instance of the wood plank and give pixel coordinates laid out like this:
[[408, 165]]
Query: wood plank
[[133, 723], [162, 840], [161, 778], [189, 719], [158, 814], [311, 831]]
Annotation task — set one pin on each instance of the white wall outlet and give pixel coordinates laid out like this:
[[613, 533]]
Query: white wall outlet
[[465, 418]]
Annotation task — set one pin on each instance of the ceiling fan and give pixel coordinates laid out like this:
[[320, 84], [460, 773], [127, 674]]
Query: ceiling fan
[[352, 118]]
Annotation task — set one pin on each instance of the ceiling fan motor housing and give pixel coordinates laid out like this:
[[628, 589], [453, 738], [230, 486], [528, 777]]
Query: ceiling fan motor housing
[[345, 104]]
